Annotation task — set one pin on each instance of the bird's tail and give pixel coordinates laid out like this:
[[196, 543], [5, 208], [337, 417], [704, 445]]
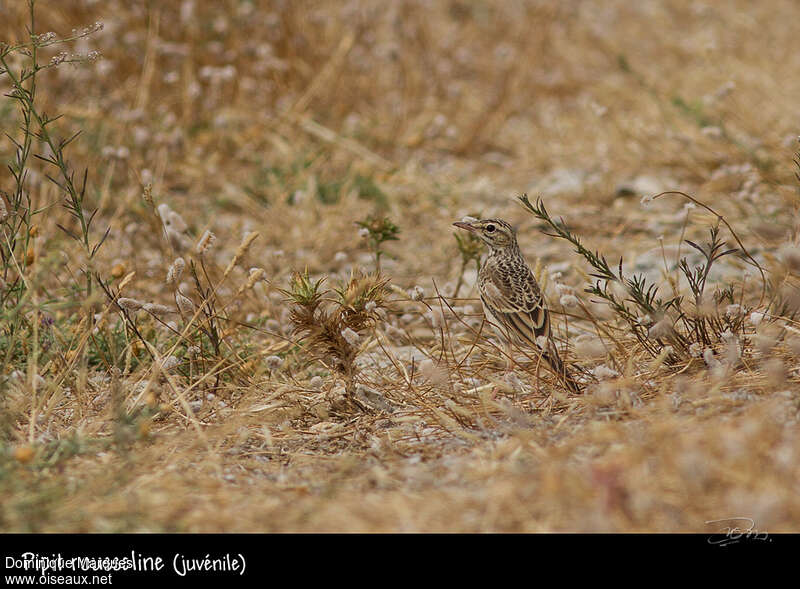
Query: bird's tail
[[559, 368]]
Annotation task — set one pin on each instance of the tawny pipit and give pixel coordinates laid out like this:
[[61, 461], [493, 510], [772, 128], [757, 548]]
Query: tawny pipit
[[512, 301]]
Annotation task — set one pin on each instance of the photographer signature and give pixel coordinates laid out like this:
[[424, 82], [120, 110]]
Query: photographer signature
[[734, 530]]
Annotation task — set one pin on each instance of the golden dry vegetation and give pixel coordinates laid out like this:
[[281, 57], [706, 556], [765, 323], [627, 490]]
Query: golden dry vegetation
[[226, 393]]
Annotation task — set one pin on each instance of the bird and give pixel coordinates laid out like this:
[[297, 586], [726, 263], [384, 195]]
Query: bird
[[513, 302]]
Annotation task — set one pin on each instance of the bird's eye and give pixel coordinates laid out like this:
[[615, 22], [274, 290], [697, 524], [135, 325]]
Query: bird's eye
[[490, 228]]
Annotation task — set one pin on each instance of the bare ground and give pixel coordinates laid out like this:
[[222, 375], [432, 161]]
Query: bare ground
[[295, 120]]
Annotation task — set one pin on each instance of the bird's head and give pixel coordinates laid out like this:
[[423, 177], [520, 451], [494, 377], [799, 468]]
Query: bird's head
[[497, 234]]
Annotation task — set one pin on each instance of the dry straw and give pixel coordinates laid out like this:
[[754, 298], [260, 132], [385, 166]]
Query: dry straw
[[211, 403]]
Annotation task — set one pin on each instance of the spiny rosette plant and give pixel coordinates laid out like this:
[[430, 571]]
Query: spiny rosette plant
[[334, 329]]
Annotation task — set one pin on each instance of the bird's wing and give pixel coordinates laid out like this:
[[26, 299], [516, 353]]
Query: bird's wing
[[516, 305], [516, 302]]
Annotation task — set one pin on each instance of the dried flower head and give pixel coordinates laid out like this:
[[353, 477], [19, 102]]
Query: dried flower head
[[604, 372], [588, 346], [255, 275], [156, 309], [58, 59], [175, 271], [569, 300], [417, 293], [169, 363], [130, 304], [147, 194], [185, 304], [206, 241], [733, 310], [661, 329], [171, 220], [273, 362], [350, 336]]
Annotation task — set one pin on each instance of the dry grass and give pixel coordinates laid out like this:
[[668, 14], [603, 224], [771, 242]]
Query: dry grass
[[195, 405]]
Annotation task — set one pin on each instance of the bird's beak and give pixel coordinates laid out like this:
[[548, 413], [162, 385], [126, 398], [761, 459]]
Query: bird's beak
[[466, 226]]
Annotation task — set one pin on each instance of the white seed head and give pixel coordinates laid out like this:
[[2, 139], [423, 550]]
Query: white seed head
[[588, 346], [562, 288], [169, 363], [394, 333], [619, 290], [205, 243], [185, 304], [156, 309], [733, 310], [660, 329], [254, 276], [175, 271], [163, 211], [45, 38], [129, 304], [59, 58], [708, 356], [350, 336], [417, 293], [433, 373], [569, 300], [604, 372], [273, 362], [733, 352], [435, 317], [175, 222]]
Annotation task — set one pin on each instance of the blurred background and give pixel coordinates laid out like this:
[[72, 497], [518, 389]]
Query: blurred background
[[242, 105]]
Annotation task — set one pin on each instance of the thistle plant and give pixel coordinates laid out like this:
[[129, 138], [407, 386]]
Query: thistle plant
[[378, 230], [332, 328]]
